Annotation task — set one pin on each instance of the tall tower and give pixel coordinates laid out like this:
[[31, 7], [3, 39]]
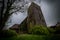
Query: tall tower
[[35, 16]]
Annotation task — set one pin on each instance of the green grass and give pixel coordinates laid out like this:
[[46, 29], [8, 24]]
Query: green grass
[[32, 37]]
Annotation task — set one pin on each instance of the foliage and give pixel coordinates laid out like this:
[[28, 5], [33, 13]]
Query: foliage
[[57, 30], [27, 37], [23, 26], [51, 30], [32, 37], [39, 30], [7, 33]]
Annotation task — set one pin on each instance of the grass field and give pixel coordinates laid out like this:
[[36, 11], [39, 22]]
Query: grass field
[[32, 37]]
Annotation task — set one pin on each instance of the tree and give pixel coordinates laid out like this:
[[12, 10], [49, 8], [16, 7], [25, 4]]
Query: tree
[[4, 12], [18, 5], [12, 6]]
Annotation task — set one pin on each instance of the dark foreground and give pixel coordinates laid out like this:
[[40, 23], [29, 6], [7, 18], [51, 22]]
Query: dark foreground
[[33, 37]]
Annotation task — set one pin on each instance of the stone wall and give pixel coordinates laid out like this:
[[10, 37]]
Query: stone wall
[[35, 15]]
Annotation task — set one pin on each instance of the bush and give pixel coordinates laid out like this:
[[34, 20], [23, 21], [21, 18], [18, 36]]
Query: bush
[[39, 30], [27, 37], [57, 30], [8, 33], [51, 30]]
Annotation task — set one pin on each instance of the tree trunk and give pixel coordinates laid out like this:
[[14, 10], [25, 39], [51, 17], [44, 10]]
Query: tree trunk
[[5, 15]]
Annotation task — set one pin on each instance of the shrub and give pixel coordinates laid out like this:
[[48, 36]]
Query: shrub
[[51, 30], [57, 30], [8, 33], [39, 30]]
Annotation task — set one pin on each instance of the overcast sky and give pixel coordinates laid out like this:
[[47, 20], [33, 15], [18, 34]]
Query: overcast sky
[[50, 10]]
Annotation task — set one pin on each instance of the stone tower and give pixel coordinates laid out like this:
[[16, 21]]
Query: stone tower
[[35, 15]]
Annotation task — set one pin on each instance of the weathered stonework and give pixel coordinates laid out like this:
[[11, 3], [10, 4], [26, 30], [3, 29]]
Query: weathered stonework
[[35, 15]]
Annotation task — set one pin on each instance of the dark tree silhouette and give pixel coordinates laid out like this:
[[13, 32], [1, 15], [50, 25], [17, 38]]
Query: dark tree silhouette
[[4, 11]]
